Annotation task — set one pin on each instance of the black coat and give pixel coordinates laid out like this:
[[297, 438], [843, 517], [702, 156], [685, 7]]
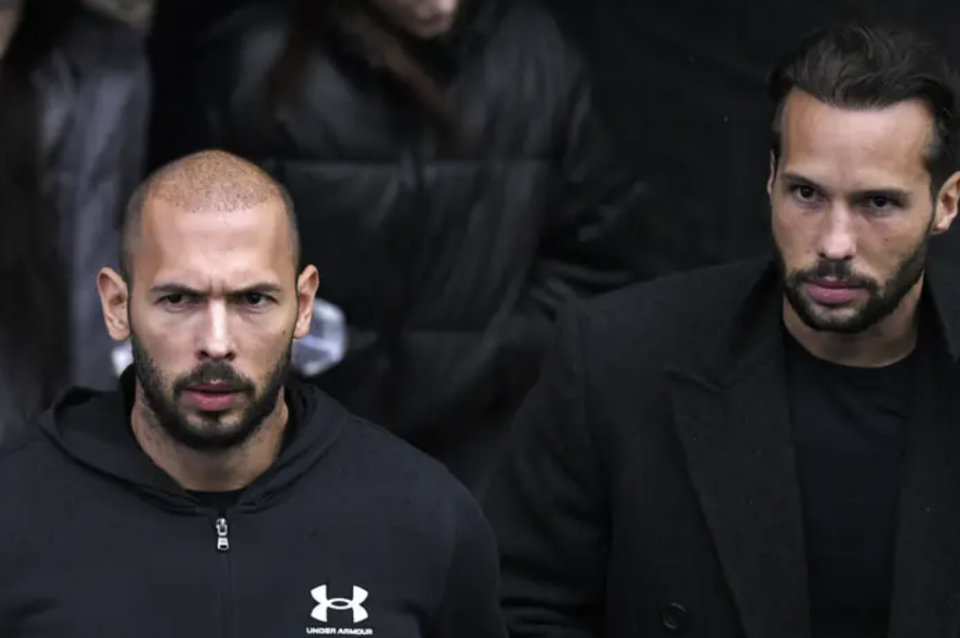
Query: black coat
[[651, 488], [448, 261]]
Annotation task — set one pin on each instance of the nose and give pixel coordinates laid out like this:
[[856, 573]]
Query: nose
[[216, 340], [838, 240]]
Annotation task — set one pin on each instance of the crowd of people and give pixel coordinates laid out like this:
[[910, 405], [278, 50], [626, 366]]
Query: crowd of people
[[348, 329]]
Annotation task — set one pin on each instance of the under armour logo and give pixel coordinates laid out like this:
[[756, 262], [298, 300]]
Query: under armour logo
[[340, 604]]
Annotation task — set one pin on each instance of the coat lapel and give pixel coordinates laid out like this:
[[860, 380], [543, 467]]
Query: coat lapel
[[731, 412], [926, 597]]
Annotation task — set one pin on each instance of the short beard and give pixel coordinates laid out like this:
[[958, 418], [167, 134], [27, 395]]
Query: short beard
[[882, 300], [168, 417]]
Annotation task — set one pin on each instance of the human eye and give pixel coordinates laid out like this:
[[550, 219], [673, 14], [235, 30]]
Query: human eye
[[177, 300], [805, 194], [880, 205], [254, 300]]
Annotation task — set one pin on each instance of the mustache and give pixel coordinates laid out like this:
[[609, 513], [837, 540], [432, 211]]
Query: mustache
[[218, 372], [835, 270]]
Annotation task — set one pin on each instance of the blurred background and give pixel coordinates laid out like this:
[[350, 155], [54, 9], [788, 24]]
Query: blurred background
[[456, 181]]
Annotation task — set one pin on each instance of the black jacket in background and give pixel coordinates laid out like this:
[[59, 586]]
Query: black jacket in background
[[449, 262], [83, 123], [96, 541]]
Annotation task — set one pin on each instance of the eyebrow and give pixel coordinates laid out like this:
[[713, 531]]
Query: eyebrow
[[264, 288], [889, 193]]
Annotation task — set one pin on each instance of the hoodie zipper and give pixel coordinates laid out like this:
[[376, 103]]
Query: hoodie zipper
[[223, 548], [223, 535]]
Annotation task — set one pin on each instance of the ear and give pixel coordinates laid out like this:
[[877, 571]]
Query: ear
[[307, 285], [946, 207], [772, 178], [114, 298]]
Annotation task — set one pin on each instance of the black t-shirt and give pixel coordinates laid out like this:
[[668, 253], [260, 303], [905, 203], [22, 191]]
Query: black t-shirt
[[850, 429]]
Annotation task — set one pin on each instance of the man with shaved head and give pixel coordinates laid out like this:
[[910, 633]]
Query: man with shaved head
[[211, 495]]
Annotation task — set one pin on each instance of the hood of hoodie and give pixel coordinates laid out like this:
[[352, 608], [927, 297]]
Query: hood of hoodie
[[93, 428]]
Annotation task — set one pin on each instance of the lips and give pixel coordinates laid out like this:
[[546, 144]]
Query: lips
[[212, 397], [831, 293], [214, 388]]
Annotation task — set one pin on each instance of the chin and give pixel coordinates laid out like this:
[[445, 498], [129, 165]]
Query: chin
[[836, 315], [212, 424], [824, 319], [845, 323]]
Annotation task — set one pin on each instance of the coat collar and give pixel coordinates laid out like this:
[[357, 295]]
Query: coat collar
[[744, 341], [942, 293]]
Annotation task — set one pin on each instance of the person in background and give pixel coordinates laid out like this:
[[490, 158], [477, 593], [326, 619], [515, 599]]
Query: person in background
[[453, 186], [768, 448], [73, 110]]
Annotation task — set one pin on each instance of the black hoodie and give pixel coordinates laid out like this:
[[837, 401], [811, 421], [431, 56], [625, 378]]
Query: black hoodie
[[350, 532]]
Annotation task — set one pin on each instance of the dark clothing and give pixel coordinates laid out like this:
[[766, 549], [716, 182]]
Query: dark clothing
[[219, 502], [96, 93], [448, 259], [94, 90], [850, 427], [95, 540], [652, 485]]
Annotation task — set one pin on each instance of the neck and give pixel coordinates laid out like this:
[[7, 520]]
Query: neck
[[884, 343], [204, 470]]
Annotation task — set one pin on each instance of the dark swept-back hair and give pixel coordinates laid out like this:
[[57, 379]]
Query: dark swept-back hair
[[872, 67], [34, 306]]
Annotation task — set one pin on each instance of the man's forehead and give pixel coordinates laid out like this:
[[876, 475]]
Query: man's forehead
[[263, 224], [215, 272], [857, 149], [809, 122], [208, 242]]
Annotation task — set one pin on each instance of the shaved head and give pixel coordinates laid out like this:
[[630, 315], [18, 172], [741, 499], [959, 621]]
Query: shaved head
[[211, 297], [205, 182]]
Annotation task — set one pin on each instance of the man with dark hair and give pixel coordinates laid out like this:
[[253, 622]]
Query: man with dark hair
[[211, 495], [767, 448]]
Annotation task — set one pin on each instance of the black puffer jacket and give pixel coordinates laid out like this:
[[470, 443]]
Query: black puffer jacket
[[89, 76], [448, 260]]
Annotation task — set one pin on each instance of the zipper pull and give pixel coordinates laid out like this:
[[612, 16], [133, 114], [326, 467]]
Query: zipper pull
[[223, 542]]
